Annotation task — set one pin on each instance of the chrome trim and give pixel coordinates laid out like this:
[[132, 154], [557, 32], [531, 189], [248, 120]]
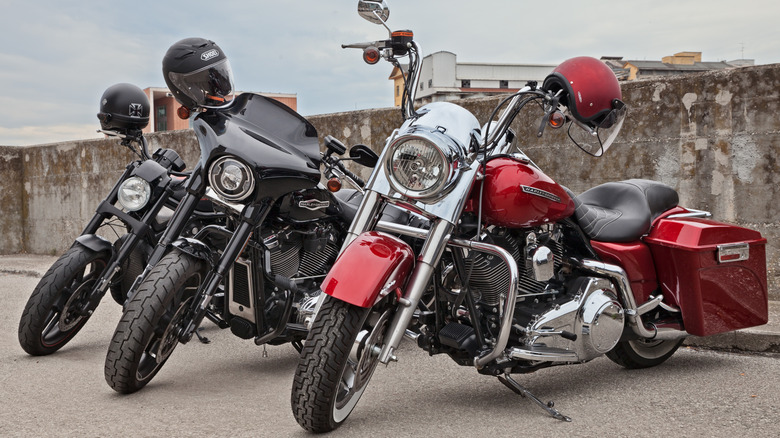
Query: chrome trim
[[620, 279], [691, 214], [733, 252], [543, 354]]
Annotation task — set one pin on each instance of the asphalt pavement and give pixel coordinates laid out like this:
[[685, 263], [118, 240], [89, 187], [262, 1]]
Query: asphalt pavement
[[231, 387]]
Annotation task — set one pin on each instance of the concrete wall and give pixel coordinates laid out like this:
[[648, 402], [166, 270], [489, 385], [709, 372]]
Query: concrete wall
[[715, 137]]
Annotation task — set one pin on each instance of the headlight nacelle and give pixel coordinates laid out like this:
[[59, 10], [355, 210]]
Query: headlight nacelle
[[231, 179], [134, 193], [421, 165]]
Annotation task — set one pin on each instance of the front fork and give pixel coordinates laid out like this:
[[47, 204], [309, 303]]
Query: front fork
[[251, 216], [429, 257]]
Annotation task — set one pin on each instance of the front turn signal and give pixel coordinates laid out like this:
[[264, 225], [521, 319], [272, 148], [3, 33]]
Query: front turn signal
[[334, 185]]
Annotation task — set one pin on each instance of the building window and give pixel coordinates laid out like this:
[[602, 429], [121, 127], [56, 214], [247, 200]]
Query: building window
[[161, 119], [422, 86], [503, 84], [430, 83], [397, 90], [466, 83]]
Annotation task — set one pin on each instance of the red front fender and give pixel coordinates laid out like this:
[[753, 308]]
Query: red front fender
[[373, 263]]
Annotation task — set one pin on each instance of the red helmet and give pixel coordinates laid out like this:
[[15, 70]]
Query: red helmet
[[591, 92], [590, 89]]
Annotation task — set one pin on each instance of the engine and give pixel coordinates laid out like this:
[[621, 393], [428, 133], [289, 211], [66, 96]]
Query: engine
[[557, 316], [294, 259]]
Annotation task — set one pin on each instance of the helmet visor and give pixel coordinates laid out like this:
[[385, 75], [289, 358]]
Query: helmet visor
[[595, 141], [211, 86]]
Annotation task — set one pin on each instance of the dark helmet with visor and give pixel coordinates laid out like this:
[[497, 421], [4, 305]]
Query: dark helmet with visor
[[590, 91], [198, 74]]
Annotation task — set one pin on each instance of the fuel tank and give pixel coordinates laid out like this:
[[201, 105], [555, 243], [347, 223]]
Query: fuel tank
[[517, 195]]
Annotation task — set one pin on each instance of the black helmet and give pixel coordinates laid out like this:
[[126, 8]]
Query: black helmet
[[123, 107], [198, 73]]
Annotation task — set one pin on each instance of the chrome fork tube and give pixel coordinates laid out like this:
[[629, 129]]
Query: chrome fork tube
[[430, 255], [364, 217]]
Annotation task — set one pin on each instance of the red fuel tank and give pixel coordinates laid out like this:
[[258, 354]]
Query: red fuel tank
[[518, 195]]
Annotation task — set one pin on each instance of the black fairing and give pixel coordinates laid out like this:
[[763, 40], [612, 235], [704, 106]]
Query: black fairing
[[276, 142]]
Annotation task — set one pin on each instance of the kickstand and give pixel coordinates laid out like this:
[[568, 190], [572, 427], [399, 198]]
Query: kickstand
[[517, 388], [201, 338]]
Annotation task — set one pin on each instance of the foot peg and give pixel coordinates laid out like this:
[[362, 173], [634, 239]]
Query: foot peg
[[517, 388]]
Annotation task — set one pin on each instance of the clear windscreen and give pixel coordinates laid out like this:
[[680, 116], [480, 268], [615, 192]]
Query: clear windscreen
[[596, 141]]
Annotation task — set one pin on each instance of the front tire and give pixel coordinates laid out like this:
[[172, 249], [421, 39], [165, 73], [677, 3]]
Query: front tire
[[334, 368], [152, 320], [50, 319], [637, 354]]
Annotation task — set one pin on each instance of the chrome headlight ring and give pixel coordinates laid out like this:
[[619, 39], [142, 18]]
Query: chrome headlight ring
[[231, 179], [422, 164], [134, 193]]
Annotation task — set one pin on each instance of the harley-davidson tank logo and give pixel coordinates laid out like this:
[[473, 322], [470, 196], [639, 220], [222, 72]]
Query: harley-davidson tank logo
[[213, 53], [314, 204], [541, 193]]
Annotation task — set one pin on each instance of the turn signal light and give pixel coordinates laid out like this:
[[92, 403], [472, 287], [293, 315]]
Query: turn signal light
[[371, 55], [334, 185], [557, 119], [183, 113]]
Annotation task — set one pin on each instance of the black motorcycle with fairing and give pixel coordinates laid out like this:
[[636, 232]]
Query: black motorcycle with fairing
[[258, 274], [135, 212]]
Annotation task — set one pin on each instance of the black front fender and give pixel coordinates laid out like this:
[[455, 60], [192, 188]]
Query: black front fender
[[95, 243], [195, 248]]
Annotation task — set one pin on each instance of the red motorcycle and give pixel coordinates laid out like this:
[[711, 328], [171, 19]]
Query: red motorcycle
[[507, 271]]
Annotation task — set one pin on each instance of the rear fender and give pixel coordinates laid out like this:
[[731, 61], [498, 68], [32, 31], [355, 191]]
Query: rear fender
[[372, 266]]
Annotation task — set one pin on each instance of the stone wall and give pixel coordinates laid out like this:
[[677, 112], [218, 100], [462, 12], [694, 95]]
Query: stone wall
[[713, 136]]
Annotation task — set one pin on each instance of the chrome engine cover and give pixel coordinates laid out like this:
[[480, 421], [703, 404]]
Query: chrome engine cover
[[594, 315]]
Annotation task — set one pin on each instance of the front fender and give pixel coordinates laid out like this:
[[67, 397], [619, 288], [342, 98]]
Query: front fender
[[195, 248], [371, 267], [95, 243]]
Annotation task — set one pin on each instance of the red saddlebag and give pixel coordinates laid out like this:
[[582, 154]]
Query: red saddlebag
[[716, 272]]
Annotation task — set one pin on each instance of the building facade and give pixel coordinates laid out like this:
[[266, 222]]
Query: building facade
[[443, 78], [163, 116], [679, 63]]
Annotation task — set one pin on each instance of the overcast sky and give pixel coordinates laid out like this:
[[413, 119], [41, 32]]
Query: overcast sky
[[57, 57]]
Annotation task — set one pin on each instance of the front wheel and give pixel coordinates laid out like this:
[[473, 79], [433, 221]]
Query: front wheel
[[337, 361], [636, 354], [152, 321], [51, 317]]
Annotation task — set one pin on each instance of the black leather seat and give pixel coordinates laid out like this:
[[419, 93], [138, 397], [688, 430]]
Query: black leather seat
[[622, 211]]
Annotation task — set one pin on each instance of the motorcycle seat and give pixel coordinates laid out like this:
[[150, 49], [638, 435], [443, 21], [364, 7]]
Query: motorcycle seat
[[350, 199], [622, 211]]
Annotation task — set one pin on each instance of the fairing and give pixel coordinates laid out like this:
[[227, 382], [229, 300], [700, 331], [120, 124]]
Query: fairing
[[275, 141]]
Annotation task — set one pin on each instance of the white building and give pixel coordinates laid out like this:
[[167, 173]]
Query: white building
[[443, 78]]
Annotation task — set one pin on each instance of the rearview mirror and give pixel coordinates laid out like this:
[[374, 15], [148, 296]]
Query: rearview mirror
[[363, 155], [375, 11]]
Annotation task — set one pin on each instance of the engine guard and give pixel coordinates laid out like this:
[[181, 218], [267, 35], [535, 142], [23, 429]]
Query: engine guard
[[372, 266]]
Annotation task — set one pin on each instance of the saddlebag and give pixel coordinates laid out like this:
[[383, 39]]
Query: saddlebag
[[716, 272]]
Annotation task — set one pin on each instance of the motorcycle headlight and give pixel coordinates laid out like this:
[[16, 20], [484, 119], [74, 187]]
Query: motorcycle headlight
[[418, 167], [134, 193], [231, 179]]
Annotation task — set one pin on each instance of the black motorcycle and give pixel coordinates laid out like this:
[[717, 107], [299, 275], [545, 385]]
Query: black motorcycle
[[258, 274], [134, 213]]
